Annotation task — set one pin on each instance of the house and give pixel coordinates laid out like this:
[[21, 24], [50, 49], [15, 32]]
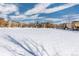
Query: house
[[75, 25]]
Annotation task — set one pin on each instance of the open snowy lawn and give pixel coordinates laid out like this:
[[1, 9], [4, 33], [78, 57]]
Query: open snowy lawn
[[38, 42]]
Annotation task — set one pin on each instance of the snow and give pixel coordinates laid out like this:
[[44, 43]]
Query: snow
[[38, 42]]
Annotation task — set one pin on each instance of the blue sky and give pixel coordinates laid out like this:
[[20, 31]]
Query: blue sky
[[25, 6], [30, 12], [72, 10]]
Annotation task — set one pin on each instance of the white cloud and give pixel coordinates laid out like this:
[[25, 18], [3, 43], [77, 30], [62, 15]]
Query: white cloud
[[34, 17], [8, 8], [54, 19], [71, 17], [37, 9], [58, 8], [42, 8], [17, 17]]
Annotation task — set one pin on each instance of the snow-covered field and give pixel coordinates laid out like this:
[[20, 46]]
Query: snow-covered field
[[38, 42]]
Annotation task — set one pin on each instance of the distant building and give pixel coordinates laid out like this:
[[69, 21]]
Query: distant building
[[75, 25]]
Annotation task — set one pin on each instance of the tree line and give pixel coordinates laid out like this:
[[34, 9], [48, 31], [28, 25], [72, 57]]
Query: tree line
[[9, 23]]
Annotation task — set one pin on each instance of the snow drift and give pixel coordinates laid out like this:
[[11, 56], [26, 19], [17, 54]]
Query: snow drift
[[38, 42]]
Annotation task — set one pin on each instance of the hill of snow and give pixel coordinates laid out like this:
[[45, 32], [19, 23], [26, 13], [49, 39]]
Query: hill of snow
[[38, 42]]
